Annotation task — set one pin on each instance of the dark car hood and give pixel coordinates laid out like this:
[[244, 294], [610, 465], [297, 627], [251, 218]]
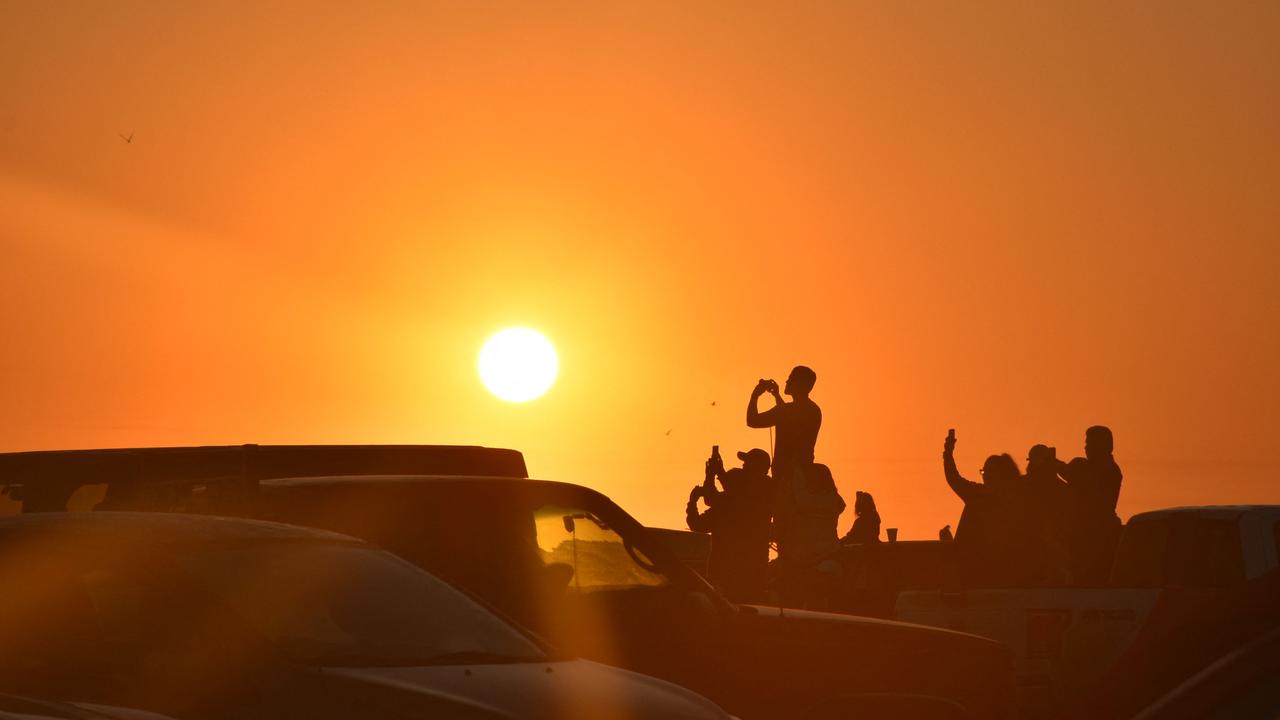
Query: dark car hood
[[812, 652], [532, 691], [835, 625], [14, 707]]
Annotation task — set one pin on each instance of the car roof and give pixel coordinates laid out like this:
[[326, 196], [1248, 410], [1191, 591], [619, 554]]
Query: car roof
[[403, 481], [161, 527], [367, 479], [1221, 512]]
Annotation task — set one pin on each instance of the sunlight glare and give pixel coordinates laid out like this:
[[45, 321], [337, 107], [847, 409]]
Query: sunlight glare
[[518, 364]]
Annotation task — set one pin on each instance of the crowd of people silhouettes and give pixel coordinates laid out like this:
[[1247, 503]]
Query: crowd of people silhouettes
[[789, 500], [1054, 525]]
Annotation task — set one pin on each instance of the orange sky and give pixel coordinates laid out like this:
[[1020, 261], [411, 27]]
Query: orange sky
[[1016, 220]]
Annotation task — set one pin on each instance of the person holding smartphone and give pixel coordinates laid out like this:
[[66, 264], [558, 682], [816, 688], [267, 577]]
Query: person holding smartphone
[[738, 519]]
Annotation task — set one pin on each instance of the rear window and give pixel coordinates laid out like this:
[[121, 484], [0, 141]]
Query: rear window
[[1204, 553], [1185, 550]]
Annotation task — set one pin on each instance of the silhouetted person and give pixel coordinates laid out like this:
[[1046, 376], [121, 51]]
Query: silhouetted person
[[1093, 489], [807, 538], [738, 520], [988, 534], [1045, 502], [797, 422], [866, 524]]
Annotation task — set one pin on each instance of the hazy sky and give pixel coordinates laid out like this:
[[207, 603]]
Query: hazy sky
[[1014, 219]]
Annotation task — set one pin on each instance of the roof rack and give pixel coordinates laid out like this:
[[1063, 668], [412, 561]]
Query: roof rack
[[45, 480]]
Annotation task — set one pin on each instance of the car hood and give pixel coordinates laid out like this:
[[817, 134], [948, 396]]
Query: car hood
[[837, 623], [13, 707], [810, 652], [560, 690]]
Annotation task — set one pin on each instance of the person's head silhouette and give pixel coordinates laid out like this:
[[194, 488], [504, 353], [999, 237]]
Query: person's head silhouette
[[1000, 471], [755, 461], [800, 382], [732, 479], [863, 503], [1098, 442], [1042, 460]]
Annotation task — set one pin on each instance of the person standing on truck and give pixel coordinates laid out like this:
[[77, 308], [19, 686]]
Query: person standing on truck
[[797, 421], [991, 528], [1093, 490], [1045, 501], [797, 424], [738, 520]]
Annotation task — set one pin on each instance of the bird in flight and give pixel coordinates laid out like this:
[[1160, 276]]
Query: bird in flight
[[127, 138], [668, 433], [713, 403]]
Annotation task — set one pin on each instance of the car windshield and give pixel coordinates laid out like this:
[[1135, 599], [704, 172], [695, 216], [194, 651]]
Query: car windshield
[[592, 554], [341, 604]]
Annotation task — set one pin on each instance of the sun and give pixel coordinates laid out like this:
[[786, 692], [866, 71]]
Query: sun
[[518, 364]]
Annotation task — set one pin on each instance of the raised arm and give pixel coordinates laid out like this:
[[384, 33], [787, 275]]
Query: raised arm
[[757, 419], [961, 487], [697, 522]]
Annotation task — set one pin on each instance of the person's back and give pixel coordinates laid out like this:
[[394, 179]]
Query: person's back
[[740, 541], [738, 519], [810, 535], [866, 526], [988, 533], [1044, 503]]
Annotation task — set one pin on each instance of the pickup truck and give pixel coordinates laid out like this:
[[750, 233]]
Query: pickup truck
[[1187, 585], [569, 564]]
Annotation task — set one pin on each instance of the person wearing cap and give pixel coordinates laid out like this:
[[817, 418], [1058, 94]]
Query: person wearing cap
[[738, 519], [1044, 504]]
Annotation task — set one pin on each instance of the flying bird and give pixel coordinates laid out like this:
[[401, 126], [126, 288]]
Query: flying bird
[[713, 403], [127, 138], [667, 432]]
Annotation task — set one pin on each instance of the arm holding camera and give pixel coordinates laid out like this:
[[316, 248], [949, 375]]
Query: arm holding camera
[[757, 419], [697, 521]]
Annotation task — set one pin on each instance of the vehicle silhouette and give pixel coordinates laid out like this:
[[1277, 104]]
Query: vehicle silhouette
[[572, 566], [202, 617], [560, 559]]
